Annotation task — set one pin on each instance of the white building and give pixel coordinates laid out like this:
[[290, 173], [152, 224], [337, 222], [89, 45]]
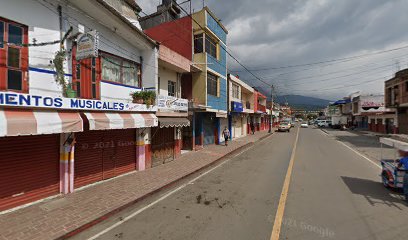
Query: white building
[[240, 105], [107, 58]]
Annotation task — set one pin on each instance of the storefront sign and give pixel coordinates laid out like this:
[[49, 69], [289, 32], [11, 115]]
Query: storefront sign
[[12, 99], [372, 103], [368, 104], [87, 45], [221, 115], [237, 107], [172, 103]]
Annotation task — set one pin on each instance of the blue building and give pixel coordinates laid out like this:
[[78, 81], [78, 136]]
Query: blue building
[[209, 85]]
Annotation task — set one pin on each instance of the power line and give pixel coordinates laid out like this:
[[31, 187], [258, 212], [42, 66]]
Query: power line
[[275, 77], [347, 59], [342, 76], [221, 45]]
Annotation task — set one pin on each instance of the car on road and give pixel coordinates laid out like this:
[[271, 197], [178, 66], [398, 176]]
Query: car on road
[[304, 125], [284, 127], [323, 123]]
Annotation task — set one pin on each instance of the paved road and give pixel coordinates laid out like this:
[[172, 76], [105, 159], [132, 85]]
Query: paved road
[[337, 194], [334, 193]]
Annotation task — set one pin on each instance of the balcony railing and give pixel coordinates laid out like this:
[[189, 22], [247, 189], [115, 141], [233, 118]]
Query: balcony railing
[[261, 108]]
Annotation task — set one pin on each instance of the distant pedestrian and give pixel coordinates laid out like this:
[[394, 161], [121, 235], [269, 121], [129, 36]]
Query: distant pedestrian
[[226, 134], [252, 128]]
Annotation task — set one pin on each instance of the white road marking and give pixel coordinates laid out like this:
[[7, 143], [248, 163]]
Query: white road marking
[[167, 195], [361, 155]]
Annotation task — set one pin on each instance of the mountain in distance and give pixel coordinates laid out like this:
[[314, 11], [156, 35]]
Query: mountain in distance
[[304, 102]]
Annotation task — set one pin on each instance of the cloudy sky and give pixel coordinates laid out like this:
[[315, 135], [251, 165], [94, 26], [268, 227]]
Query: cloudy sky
[[320, 48]]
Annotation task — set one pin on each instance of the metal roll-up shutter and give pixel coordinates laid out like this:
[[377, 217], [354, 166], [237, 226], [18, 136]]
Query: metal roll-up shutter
[[29, 169], [124, 151], [88, 158]]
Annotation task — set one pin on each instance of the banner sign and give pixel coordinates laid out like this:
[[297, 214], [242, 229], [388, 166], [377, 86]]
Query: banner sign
[[12, 99], [237, 107], [372, 103], [368, 104], [87, 45], [172, 103]]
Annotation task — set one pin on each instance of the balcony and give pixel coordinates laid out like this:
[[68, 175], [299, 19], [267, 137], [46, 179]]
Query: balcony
[[261, 108]]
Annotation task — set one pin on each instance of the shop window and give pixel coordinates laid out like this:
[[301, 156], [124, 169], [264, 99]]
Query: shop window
[[171, 89], [121, 71], [212, 84], [210, 46], [13, 56], [198, 43]]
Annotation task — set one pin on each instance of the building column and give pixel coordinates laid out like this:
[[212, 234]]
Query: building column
[[218, 131], [193, 126], [142, 149], [177, 142], [66, 166], [229, 125]]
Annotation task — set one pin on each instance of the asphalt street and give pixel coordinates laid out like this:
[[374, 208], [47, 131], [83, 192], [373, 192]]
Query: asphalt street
[[334, 193]]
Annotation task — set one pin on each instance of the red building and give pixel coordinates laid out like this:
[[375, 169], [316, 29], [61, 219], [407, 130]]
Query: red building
[[260, 117]]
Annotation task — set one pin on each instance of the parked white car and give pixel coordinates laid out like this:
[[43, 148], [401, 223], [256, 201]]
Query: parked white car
[[323, 123]]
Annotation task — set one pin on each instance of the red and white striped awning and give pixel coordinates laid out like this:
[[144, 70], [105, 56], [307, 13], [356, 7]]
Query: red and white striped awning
[[105, 121], [15, 122]]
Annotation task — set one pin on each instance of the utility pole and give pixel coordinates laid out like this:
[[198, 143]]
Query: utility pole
[[271, 119]]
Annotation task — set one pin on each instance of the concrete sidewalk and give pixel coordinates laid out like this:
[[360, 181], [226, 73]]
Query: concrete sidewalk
[[64, 216]]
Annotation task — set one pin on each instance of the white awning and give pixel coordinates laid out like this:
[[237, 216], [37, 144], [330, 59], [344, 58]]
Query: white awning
[[20, 122], [105, 121]]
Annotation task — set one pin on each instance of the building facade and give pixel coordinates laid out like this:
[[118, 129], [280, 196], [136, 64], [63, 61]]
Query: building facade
[[71, 100], [167, 138], [259, 118], [396, 97], [241, 105], [202, 39]]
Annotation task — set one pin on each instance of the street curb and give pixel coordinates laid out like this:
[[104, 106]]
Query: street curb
[[133, 202]]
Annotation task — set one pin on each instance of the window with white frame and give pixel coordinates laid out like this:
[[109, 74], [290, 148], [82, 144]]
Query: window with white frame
[[119, 70]]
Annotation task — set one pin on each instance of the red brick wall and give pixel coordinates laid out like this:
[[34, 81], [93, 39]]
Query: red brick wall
[[176, 35]]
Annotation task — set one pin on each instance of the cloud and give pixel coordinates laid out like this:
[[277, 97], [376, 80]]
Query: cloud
[[273, 33]]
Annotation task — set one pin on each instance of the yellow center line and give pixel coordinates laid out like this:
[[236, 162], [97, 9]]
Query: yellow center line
[[277, 225]]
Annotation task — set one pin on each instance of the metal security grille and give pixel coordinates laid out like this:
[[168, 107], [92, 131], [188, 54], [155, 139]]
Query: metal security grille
[[162, 145], [29, 169], [102, 155]]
